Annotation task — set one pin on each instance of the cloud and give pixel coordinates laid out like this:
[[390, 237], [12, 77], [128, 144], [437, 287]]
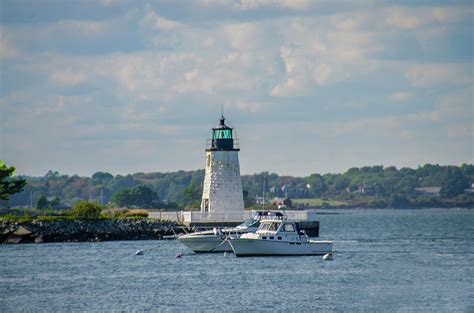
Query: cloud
[[401, 18], [285, 4], [83, 27], [400, 96], [7, 50], [68, 77], [411, 18], [245, 36], [250, 106], [425, 75], [155, 21]]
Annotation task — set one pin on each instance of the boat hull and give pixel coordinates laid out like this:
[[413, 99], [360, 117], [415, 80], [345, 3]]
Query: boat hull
[[261, 247], [210, 243]]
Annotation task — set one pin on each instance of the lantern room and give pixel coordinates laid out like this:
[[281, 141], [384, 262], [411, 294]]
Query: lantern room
[[222, 138]]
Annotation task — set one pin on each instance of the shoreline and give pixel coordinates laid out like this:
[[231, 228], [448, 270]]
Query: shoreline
[[16, 231], [83, 230]]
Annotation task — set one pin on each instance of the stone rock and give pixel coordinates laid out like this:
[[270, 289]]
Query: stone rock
[[22, 231], [39, 239], [13, 239]]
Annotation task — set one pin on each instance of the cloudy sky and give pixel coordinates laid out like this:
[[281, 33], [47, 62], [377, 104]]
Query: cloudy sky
[[310, 86]]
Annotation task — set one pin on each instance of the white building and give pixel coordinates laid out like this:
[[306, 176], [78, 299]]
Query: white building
[[222, 191]]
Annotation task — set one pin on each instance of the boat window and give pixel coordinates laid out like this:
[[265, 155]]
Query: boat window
[[288, 228], [279, 238], [271, 238], [264, 237], [273, 226], [269, 226]]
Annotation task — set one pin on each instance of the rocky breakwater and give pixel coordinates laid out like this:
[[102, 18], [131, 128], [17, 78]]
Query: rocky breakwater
[[38, 231]]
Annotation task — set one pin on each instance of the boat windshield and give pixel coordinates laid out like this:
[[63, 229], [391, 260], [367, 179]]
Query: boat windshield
[[269, 226], [248, 223]]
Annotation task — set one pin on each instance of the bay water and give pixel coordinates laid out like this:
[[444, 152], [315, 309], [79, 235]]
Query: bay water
[[384, 261]]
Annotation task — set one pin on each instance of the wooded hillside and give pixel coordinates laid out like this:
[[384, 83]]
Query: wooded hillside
[[370, 186]]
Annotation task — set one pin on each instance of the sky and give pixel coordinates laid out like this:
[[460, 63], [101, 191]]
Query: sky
[[310, 86]]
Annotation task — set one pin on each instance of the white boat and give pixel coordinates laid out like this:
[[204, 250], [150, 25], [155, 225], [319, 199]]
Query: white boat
[[216, 240], [278, 237]]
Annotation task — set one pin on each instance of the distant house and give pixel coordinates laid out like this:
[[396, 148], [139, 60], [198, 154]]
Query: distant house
[[282, 202], [367, 189], [429, 191], [57, 204], [259, 200], [470, 190], [277, 201]]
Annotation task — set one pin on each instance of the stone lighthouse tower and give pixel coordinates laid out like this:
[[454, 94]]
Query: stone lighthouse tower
[[222, 192]]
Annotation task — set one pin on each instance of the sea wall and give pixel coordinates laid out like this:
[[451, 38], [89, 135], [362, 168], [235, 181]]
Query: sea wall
[[37, 231]]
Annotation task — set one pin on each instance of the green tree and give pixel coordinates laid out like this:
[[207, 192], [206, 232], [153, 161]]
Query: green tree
[[454, 183], [317, 185], [102, 178], [9, 186], [397, 201], [54, 203], [51, 174], [139, 196], [248, 201], [192, 194], [42, 203], [86, 209]]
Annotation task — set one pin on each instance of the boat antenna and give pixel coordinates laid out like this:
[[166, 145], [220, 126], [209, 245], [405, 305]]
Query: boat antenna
[[263, 198]]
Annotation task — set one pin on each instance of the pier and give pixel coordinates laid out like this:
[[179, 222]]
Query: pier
[[199, 220]]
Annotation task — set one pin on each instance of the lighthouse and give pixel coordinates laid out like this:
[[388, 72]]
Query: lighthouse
[[222, 191]]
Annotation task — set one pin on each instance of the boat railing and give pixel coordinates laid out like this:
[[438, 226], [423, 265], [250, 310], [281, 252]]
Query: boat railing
[[272, 218]]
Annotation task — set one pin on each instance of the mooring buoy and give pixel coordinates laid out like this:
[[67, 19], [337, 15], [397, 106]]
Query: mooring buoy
[[327, 257], [139, 252]]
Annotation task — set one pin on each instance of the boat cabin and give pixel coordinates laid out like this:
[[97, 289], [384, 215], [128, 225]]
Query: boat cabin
[[283, 230]]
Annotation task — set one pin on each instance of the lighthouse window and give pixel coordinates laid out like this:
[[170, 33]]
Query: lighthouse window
[[222, 134]]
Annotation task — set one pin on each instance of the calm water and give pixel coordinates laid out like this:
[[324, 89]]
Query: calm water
[[384, 261]]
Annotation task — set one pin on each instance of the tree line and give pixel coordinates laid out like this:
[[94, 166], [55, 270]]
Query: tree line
[[368, 186]]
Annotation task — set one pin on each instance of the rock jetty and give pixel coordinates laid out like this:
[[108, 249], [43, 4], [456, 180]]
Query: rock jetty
[[38, 231]]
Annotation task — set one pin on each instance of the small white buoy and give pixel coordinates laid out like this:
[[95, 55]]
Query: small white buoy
[[327, 257], [225, 254], [179, 255], [139, 252]]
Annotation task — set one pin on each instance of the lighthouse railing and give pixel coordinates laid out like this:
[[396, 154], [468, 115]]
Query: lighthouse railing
[[235, 145]]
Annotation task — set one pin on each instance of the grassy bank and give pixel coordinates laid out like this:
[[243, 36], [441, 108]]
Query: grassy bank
[[93, 212], [320, 202]]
